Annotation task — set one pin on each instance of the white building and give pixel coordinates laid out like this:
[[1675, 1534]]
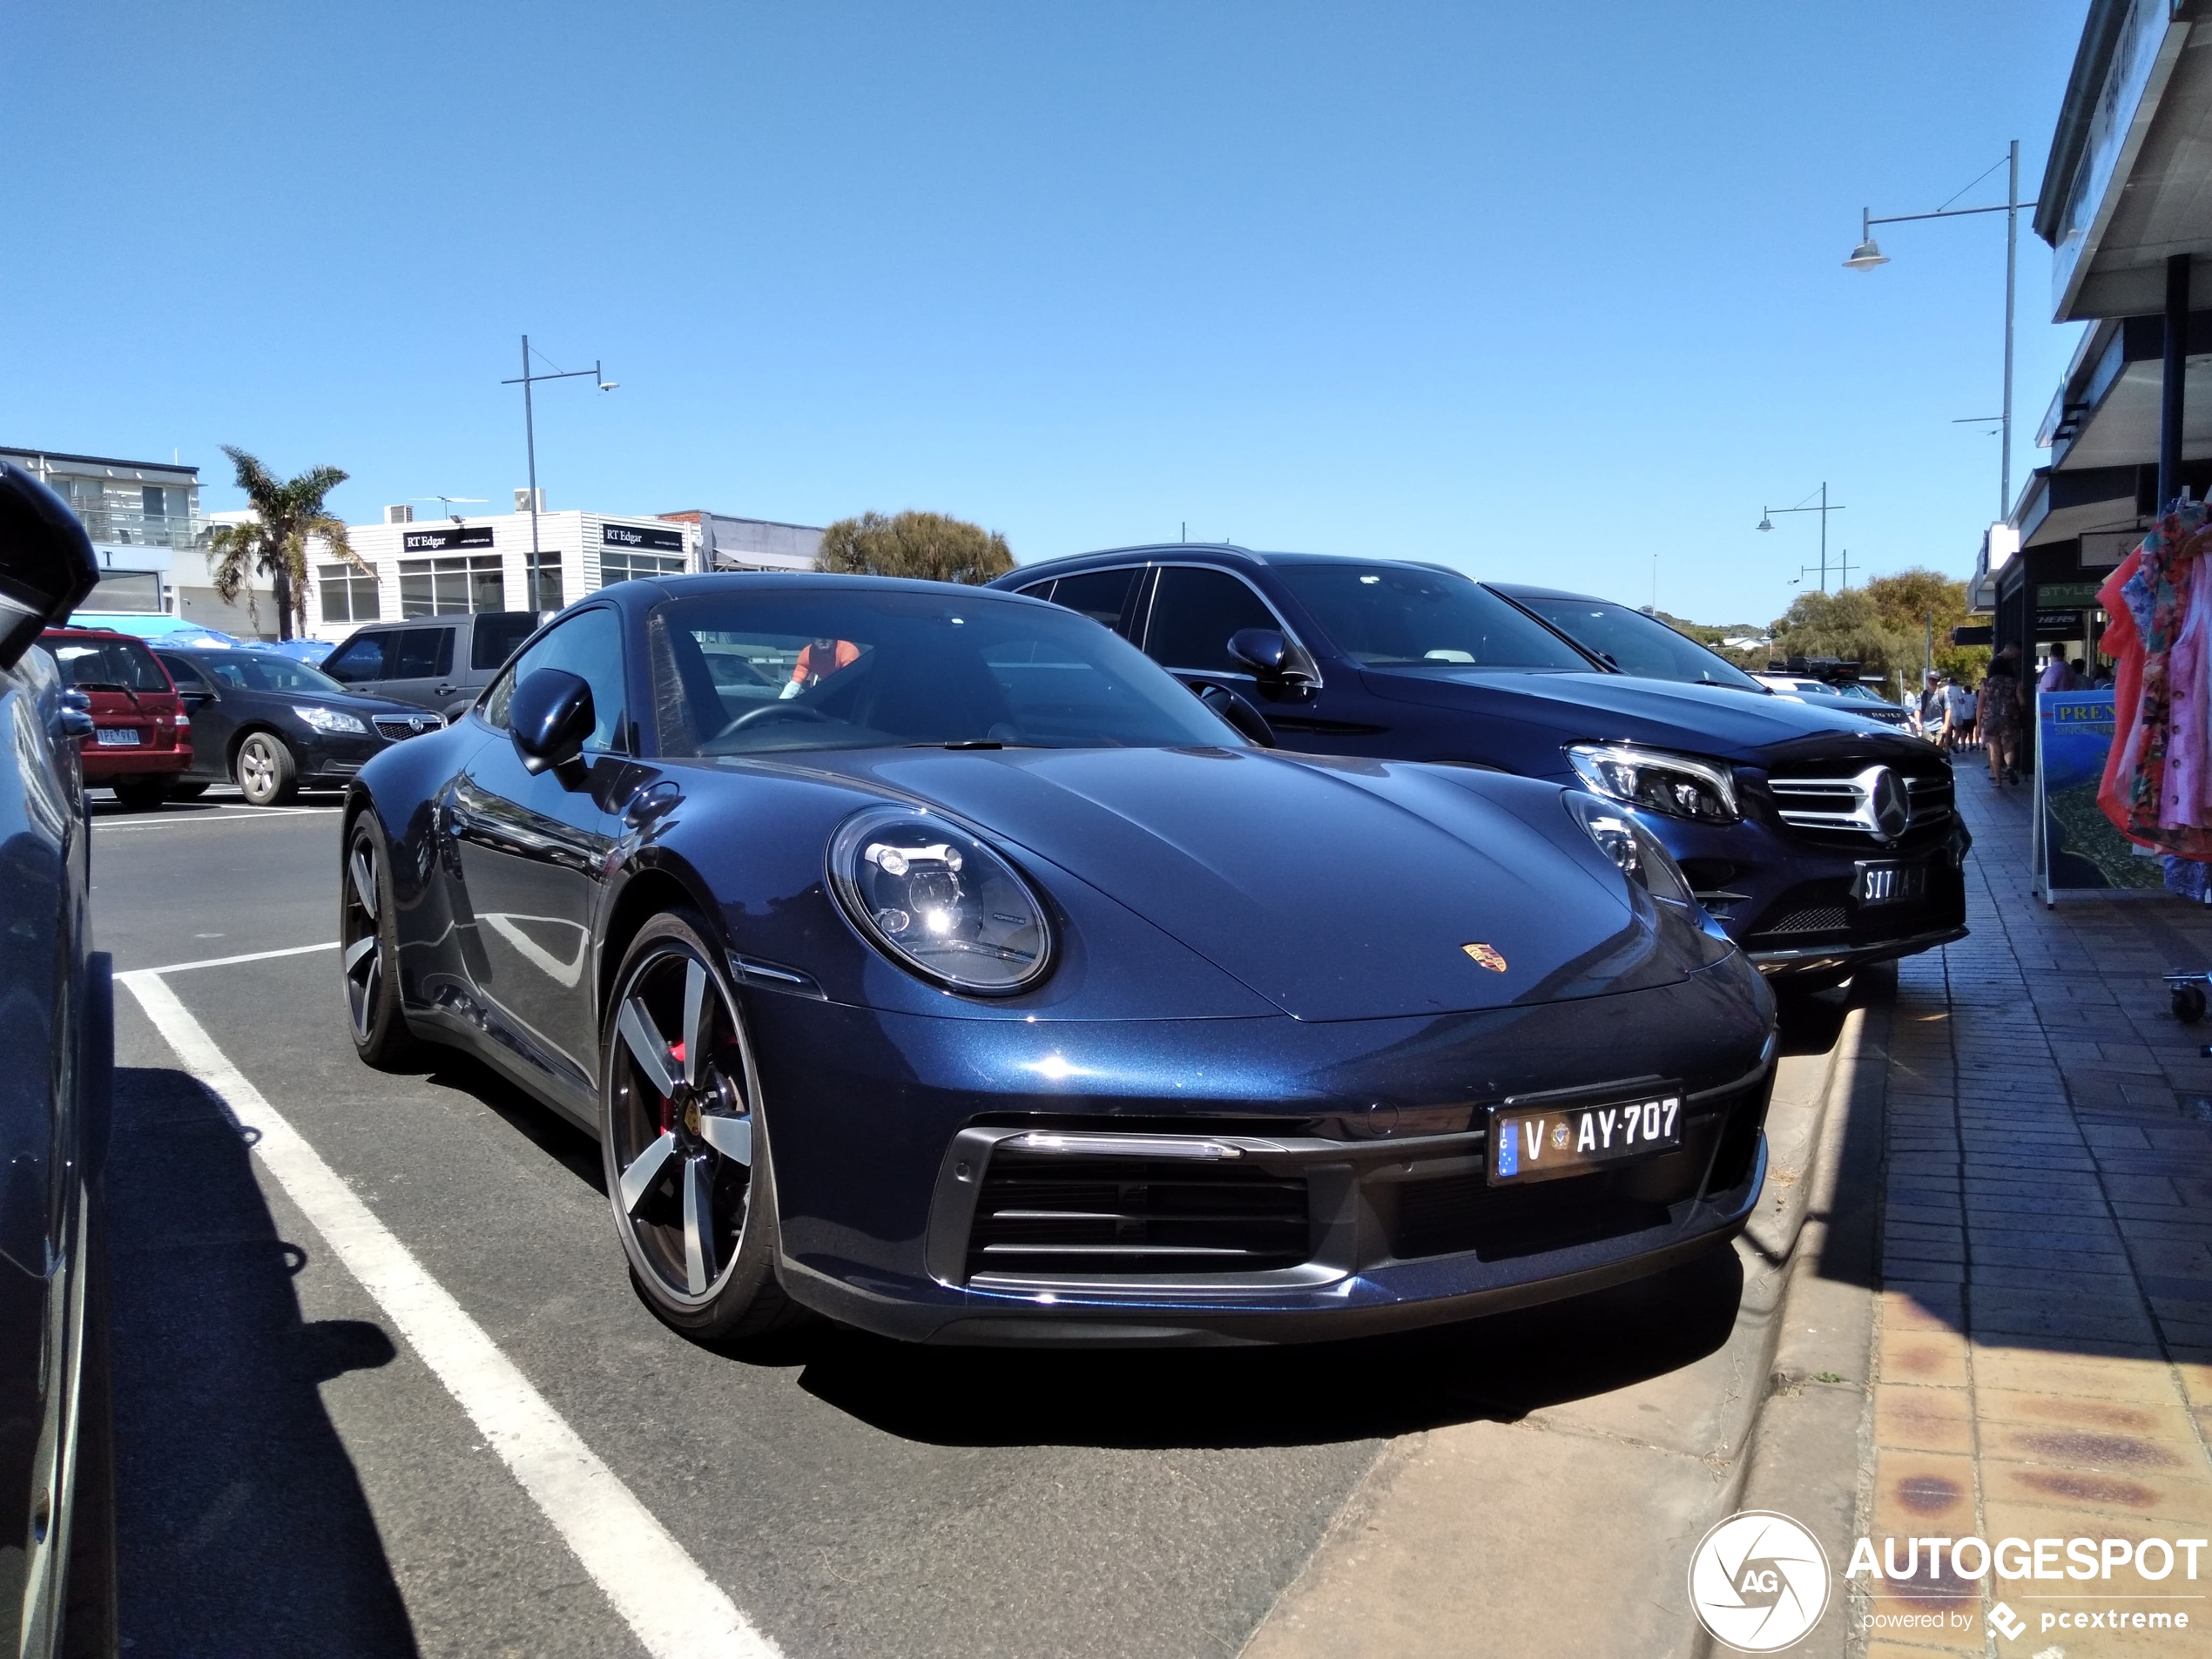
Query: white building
[[434, 567], [140, 515]]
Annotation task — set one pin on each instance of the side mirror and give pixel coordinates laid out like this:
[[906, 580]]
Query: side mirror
[[46, 563], [1273, 658], [548, 717]]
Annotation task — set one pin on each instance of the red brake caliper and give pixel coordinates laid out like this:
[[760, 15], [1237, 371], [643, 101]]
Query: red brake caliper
[[668, 1106]]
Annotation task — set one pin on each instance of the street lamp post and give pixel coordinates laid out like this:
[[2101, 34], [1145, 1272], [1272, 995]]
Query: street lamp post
[[1867, 255], [1766, 523], [525, 379]]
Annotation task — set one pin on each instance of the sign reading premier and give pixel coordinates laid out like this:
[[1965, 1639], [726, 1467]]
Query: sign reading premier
[[633, 535], [440, 541]]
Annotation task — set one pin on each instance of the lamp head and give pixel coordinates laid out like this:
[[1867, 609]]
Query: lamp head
[[1765, 523], [1866, 256], [608, 386]]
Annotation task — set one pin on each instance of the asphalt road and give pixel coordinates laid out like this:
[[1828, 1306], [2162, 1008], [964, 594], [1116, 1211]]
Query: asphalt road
[[295, 1480]]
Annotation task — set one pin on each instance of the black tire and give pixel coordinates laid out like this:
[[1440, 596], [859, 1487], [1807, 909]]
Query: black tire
[[687, 1169], [141, 794], [369, 950], [2188, 1004], [186, 791], [267, 775]]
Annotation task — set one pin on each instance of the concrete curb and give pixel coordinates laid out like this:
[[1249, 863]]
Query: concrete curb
[[1807, 1455]]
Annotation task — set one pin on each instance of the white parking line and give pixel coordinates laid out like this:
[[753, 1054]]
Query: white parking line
[[233, 961], [672, 1606], [220, 815]]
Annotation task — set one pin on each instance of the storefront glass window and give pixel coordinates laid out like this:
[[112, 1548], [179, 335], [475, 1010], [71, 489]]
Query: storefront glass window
[[442, 587], [627, 564], [347, 595]]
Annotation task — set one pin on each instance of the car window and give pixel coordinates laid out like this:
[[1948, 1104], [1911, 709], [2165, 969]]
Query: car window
[[255, 670], [420, 653], [1194, 612], [743, 673], [359, 658], [588, 645], [1389, 615], [494, 636], [1638, 644], [187, 678], [1100, 594], [118, 665]]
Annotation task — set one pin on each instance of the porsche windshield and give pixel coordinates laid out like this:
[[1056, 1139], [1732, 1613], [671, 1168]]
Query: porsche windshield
[[1391, 615], [748, 673]]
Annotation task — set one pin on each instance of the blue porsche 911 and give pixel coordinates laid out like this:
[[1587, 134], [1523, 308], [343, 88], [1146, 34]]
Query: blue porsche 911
[[930, 958]]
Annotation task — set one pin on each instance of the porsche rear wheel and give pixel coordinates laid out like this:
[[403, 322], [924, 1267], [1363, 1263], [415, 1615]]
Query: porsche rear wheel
[[369, 950], [685, 1150]]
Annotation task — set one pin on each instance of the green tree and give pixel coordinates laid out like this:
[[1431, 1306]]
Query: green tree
[[928, 546], [1846, 625], [273, 543], [1907, 600]]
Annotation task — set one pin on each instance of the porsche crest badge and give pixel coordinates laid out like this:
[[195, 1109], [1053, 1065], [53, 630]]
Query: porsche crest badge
[[1485, 957]]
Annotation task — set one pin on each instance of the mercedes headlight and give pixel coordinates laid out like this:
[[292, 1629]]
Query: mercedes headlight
[[329, 719], [1660, 782], [1635, 852], [939, 902]]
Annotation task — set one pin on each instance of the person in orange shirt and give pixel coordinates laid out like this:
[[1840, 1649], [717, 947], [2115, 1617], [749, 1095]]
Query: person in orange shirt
[[818, 662]]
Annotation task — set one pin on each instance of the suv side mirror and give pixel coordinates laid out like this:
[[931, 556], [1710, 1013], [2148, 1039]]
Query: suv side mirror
[[548, 717], [46, 563], [1271, 657]]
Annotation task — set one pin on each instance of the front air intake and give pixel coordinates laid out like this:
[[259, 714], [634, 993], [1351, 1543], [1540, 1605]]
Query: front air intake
[[1062, 1215]]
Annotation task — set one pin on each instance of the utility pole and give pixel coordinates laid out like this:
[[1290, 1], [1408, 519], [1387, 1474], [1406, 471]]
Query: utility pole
[[1766, 523], [529, 439]]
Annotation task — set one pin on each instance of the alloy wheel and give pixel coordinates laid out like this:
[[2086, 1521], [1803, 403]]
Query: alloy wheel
[[680, 1123], [257, 771], [363, 954]]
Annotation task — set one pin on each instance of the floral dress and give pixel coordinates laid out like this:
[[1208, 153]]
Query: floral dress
[[1997, 715]]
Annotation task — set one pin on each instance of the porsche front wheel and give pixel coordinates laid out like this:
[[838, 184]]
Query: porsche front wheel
[[686, 1153]]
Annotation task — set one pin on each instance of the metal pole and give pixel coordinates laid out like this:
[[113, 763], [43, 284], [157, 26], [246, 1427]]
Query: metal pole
[[530, 436], [2171, 387], [2012, 260], [1824, 538]]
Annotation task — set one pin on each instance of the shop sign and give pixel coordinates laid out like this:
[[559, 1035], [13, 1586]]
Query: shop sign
[[2080, 594], [636, 536], [2102, 550], [2075, 849], [2058, 625], [442, 541]]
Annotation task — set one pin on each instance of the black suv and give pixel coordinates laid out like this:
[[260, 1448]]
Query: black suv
[[1819, 840]]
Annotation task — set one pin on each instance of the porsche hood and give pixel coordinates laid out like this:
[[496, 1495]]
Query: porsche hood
[[1336, 889]]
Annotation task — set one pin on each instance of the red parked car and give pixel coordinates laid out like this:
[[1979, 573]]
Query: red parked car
[[141, 738]]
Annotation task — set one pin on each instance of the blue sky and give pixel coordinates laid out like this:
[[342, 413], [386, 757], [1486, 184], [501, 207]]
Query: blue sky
[[1543, 292]]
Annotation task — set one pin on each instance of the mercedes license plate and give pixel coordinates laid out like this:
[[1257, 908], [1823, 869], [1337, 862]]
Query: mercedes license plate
[[117, 737], [1541, 1142], [1879, 883]]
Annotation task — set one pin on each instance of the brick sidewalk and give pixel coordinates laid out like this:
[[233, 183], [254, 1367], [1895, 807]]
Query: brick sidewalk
[[2043, 1350]]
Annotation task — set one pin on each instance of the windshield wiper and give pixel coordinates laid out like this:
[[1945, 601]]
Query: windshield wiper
[[962, 743], [111, 686]]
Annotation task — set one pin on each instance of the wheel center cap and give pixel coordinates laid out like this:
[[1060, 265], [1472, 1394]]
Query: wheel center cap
[[691, 1116]]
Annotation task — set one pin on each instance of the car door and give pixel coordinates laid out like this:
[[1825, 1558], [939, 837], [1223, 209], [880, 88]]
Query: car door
[[213, 719], [1192, 611], [419, 669], [533, 855], [360, 662]]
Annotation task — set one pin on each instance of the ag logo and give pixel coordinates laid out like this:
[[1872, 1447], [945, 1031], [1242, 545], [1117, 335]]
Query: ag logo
[[1759, 1582]]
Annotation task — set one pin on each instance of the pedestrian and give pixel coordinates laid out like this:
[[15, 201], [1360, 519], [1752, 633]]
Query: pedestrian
[[2056, 676], [1959, 716], [1929, 714], [2000, 712]]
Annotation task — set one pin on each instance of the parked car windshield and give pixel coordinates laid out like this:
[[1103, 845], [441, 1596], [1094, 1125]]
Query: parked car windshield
[[254, 670], [119, 665], [1638, 644], [747, 673], [1387, 615]]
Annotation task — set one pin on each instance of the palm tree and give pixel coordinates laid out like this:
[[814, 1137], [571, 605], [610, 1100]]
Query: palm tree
[[274, 544]]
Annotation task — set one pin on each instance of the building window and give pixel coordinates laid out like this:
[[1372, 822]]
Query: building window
[[155, 500], [626, 564], [347, 595], [442, 587], [544, 584]]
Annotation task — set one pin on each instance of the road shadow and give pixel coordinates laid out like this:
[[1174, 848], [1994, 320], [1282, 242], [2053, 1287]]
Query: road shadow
[[530, 1117], [241, 1525], [1500, 1368]]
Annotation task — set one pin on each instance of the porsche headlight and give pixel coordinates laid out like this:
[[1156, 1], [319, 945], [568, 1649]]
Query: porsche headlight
[[939, 902], [1672, 784], [1635, 852]]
